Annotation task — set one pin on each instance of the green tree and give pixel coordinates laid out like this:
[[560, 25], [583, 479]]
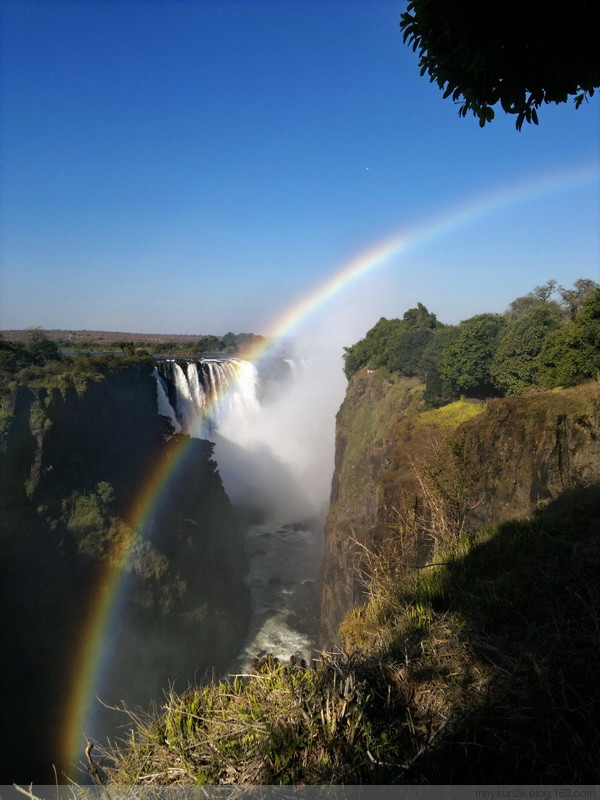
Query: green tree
[[229, 340], [562, 361], [126, 347], [588, 328], [571, 355], [395, 344], [514, 368], [544, 292], [13, 357], [40, 347], [438, 392], [518, 55], [465, 363], [405, 349], [574, 299], [208, 344], [419, 317], [372, 349], [538, 296]]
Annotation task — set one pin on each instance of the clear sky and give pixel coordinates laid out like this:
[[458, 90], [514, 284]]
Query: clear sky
[[198, 167]]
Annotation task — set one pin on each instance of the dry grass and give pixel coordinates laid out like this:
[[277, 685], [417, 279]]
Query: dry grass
[[282, 724], [498, 640]]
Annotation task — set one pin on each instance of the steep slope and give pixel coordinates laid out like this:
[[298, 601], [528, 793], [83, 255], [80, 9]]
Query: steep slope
[[487, 463], [469, 578]]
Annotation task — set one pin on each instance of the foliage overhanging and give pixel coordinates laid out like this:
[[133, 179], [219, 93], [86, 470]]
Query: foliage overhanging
[[520, 56]]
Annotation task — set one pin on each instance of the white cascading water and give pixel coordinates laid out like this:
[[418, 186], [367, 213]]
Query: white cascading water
[[216, 399], [165, 409], [187, 412], [196, 390], [208, 395]]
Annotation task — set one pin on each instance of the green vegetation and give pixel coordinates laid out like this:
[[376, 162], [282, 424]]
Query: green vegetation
[[465, 363], [39, 363], [37, 351], [519, 58], [229, 344], [449, 416], [397, 345], [572, 353], [537, 343], [514, 367], [100, 534]]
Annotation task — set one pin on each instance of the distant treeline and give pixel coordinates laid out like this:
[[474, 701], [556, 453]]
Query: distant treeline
[[547, 338], [230, 343], [39, 361]]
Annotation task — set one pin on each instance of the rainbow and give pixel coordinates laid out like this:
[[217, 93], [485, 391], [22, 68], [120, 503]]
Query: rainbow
[[93, 651]]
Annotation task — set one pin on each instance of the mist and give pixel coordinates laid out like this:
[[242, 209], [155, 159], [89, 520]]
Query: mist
[[281, 458]]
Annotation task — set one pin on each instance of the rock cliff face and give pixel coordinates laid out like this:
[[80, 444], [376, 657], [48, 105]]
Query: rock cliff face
[[70, 466], [57, 437], [504, 459]]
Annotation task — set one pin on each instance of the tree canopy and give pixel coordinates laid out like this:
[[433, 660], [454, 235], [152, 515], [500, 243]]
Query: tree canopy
[[537, 343], [465, 363], [571, 354], [514, 368], [396, 344], [519, 55]]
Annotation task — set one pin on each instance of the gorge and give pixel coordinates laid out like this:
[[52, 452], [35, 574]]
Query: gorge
[[202, 598], [73, 461]]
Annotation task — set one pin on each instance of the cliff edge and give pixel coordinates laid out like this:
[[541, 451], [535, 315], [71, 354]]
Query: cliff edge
[[487, 462]]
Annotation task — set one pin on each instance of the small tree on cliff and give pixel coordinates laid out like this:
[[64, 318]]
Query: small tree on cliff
[[40, 347]]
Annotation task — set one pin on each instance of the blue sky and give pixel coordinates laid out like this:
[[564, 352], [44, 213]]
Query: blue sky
[[197, 167]]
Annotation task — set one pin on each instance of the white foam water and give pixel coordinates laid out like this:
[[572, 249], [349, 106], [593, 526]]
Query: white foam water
[[283, 563]]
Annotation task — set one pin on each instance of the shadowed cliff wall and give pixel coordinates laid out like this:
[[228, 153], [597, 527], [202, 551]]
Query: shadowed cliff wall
[[70, 467]]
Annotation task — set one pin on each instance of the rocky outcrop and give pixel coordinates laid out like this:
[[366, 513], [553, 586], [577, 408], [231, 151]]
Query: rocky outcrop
[[531, 449], [509, 458]]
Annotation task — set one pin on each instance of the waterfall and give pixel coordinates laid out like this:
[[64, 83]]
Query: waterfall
[[205, 395], [260, 449], [197, 392], [165, 408]]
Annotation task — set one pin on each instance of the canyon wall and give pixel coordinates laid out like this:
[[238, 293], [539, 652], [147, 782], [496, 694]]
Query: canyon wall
[[499, 460], [72, 463]]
